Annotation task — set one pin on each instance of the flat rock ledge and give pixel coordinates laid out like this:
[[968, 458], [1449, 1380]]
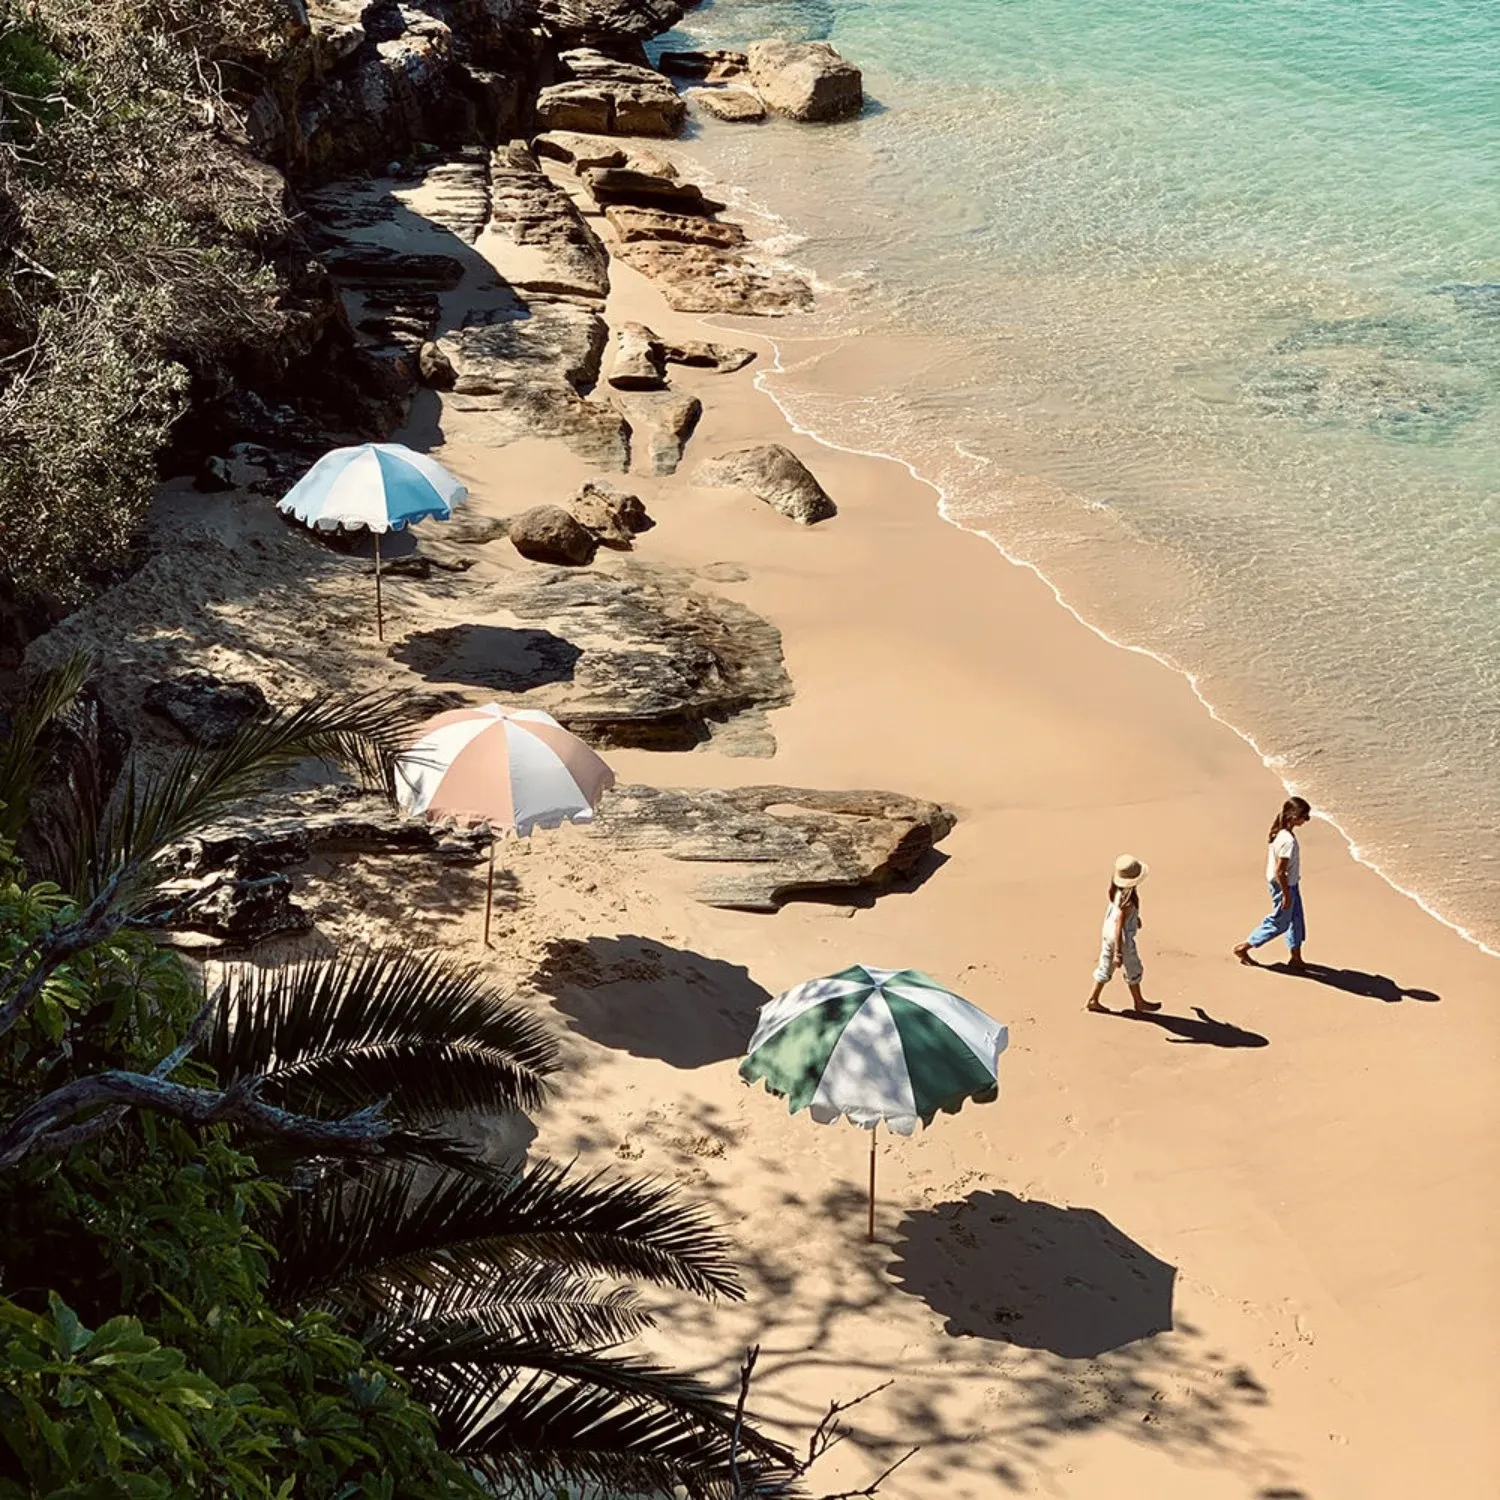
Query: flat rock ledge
[[761, 846]]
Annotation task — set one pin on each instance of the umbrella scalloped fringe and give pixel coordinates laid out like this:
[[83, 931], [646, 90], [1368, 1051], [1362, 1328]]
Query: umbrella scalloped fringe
[[868, 1119], [450, 819]]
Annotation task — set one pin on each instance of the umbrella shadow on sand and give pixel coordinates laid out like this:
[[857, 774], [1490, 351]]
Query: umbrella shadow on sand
[[1021, 1272], [652, 1000]]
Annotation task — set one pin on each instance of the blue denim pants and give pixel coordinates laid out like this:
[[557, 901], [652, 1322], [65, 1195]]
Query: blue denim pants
[[1286, 917]]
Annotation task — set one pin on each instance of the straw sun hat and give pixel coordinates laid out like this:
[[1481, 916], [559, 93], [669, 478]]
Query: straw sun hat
[[1130, 871]]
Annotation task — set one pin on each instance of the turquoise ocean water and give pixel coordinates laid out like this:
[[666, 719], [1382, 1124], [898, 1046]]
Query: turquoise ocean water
[[1193, 306]]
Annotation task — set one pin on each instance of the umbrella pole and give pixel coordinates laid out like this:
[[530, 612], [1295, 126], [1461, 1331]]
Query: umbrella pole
[[870, 1232], [379, 613], [489, 892]]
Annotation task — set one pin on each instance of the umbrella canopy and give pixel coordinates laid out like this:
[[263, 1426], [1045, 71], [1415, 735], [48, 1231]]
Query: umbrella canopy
[[378, 486], [513, 770], [875, 1045]]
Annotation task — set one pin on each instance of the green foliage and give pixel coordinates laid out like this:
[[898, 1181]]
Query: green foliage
[[31, 77]]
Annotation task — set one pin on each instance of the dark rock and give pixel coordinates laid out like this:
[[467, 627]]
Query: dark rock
[[366, 262], [711, 66], [213, 475], [774, 474], [548, 533], [434, 367], [606, 23], [616, 185], [239, 912], [640, 362], [759, 846], [208, 710], [805, 80]]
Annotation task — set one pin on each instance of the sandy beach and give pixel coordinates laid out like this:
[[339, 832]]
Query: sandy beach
[[1243, 1249]]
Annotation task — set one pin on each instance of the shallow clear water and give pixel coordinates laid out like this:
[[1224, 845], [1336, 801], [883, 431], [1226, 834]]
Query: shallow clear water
[[1195, 306]]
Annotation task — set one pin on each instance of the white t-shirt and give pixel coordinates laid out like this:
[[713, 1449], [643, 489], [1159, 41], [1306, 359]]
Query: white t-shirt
[[1285, 847]]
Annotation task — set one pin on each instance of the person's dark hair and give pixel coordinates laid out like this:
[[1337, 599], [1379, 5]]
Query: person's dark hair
[[1133, 893], [1293, 807]]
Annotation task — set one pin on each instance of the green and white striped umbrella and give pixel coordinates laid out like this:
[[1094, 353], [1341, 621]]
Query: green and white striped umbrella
[[875, 1045]]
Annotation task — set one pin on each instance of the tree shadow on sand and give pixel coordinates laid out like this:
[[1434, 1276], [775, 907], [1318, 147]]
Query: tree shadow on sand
[[1064, 1280], [489, 656], [651, 1000], [1200, 1029], [1355, 982]]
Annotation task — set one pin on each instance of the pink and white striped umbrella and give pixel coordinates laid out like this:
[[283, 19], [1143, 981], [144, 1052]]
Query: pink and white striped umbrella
[[513, 770]]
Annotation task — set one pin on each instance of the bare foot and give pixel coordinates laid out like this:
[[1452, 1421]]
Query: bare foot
[[1146, 1006], [1095, 1006], [1242, 952], [1296, 965]]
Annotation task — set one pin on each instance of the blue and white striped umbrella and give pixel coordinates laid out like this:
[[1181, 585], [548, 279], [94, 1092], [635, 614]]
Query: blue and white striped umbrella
[[375, 486], [378, 486]]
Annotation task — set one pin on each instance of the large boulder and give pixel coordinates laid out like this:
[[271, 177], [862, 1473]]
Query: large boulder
[[723, 359], [550, 534], [640, 359], [615, 517], [611, 185], [206, 709], [579, 150], [609, 97], [773, 474], [805, 80], [604, 23]]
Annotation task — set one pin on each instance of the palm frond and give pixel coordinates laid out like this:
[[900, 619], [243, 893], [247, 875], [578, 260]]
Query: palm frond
[[398, 1230], [45, 698], [622, 1423], [152, 810], [430, 1037], [523, 1304]]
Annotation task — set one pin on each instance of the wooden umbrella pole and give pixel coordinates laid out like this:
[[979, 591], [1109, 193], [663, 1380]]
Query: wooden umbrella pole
[[379, 613], [870, 1232], [489, 892]]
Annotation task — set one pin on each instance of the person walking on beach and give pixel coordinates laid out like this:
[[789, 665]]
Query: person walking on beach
[[1121, 923], [1284, 876]]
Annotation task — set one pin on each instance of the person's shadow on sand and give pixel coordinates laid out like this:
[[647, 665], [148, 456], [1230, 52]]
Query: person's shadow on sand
[[1354, 982], [1199, 1029]]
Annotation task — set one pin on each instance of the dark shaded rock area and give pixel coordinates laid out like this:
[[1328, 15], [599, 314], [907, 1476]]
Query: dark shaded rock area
[[205, 708], [760, 846], [229, 880]]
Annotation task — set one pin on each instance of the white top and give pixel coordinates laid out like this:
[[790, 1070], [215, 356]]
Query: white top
[[1132, 920], [1285, 847]]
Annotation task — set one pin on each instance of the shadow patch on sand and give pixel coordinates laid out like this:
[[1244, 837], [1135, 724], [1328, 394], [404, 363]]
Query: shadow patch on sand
[[1356, 982], [1200, 1029], [1064, 1280], [652, 1000]]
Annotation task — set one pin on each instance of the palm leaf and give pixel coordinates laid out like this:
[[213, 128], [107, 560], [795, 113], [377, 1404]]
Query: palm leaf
[[45, 698], [399, 1230], [523, 1304], [428, 1036], [621, 1423], [153, 810]]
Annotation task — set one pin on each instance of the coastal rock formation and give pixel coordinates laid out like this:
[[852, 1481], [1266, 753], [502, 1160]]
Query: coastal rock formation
[[713, 65], [616, 185], [735, 103], [661, 422], [578, 150], [724, 359], [760, 846], [205, 708], [631, 224], [609, 97], [699, 278], [640, 359], [774, 474], [805, 80], [614, 517], [635, 655], [606, 22], [550, 534], [536, 238]]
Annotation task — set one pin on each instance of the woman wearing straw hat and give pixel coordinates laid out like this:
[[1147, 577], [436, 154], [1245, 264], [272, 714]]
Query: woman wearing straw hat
[[1121, 923]]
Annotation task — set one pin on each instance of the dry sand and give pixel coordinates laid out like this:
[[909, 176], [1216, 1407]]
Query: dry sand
[[1245, 1250]]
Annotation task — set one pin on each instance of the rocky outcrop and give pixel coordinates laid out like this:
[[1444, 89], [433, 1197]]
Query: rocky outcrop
[[805, 80], [614, 517], [714, 65], [699, 278], [754, 848], [774, 474], [633, 655], [608, 97], [550, 534], [644, 224], [661, 422], [602, 23], [735, 103], [724, 359], [624, 185], [640, 362], [535, 238], [205, 708], [579, 150]]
